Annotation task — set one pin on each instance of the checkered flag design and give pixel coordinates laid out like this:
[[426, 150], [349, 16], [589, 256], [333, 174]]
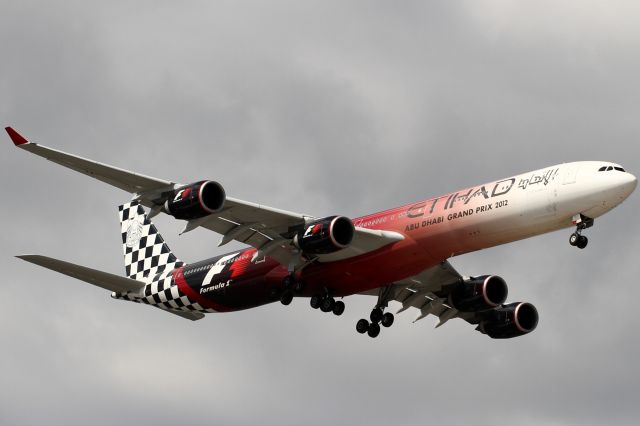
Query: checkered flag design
[[163, 293], [145, 253]]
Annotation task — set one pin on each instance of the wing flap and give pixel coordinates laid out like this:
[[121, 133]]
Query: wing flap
[[98, 278]]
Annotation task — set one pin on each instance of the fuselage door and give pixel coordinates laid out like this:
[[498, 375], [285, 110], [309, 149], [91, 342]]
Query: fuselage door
[[569, 173]]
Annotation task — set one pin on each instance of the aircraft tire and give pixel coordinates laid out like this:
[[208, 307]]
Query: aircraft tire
[[573, 239], [286, 298], [338, 308], [327, 304], [315, 301], [362, 326], [374, 330], [387, 319], [376, 315], [582, 242]]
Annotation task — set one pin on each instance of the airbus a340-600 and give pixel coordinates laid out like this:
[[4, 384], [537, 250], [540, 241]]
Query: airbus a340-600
[[399, 254]]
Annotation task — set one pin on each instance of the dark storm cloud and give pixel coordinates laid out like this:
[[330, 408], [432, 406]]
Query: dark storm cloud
[[322, 108]]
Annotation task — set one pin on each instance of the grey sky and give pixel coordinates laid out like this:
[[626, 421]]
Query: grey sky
[[325, 108]]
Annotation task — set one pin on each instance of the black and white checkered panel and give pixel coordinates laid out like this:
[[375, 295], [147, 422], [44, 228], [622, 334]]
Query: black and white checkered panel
[[145, 252], [164, 293]]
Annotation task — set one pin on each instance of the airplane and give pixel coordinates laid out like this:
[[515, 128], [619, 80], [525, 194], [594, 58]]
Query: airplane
[[401, 254]]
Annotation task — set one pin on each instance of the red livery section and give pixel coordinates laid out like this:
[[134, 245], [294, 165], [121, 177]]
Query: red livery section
[[16, 137]]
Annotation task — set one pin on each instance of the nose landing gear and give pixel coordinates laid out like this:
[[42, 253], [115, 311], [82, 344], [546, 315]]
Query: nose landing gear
[[577, 239]]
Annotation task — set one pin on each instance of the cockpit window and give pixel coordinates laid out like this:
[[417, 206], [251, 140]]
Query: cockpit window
[[609, 168]]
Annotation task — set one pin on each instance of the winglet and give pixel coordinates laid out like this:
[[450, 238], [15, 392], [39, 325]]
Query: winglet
[[16, 137]]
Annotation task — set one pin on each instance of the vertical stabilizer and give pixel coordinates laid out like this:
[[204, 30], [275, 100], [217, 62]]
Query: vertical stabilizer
[[145, 252]]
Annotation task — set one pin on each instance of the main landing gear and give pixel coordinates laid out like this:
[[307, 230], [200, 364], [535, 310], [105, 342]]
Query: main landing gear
[[378, 317], [577, 239], [326, 303], [290, 286]]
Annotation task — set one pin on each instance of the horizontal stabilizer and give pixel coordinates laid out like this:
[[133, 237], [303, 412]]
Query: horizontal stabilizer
[[193, 316], [105, 280]]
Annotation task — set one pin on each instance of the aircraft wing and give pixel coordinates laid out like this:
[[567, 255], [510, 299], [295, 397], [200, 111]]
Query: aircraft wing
[[267, 229], [98, 278], [123, 179], [420, 292]]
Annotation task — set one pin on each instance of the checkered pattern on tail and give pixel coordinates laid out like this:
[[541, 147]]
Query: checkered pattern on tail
[[145, 252], [164, 293]]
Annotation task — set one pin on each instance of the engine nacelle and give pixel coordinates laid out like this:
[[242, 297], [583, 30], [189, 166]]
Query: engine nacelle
[[326, 235], [510, 321], [196, 200], [479, 293]]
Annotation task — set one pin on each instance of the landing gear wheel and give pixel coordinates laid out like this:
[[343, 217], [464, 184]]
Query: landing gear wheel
[[376, 315], [338, 308], [315, 301], [327, 304], [387, 319], [286, 297], [374, 330], [574, 238], [362, 326], [582, 222], [582, 242]]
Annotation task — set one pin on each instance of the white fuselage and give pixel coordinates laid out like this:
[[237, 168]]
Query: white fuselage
[[533, 203]]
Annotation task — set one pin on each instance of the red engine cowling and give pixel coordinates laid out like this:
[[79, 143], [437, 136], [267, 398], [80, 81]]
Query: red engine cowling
[[196, 200], [479, 293], [325, 236], [513, 320]]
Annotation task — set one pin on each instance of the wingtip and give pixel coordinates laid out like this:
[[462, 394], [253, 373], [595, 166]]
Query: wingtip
[[16, 137]]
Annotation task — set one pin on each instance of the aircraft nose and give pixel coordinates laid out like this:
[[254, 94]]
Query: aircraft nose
[[625, 184], [630, 184]]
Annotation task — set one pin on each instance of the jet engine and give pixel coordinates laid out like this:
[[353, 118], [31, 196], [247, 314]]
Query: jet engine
[[326, 235], [196, 200], [509, 321], [479, 293]]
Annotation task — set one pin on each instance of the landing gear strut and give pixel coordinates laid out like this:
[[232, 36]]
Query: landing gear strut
[[290, 286], [577, 239]]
